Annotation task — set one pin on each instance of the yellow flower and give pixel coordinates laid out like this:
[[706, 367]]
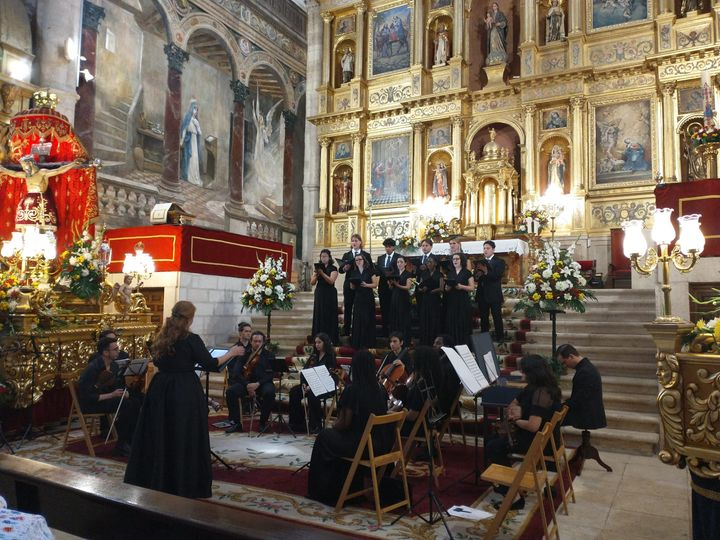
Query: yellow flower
[[559, 264], [548, 296], [268, 282], [716, 333], [273, 272], [80, 259], [556, 276], [251, 302], [290, 295], [581, 296], [541, 266], [268, 301], [701, 324], [536, 297]]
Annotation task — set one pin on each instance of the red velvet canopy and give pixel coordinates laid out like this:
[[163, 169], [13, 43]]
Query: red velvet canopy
[[74, 192]]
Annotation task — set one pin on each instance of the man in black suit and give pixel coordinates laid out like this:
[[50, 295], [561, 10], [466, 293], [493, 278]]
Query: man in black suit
[[489, 294], [346, 267], [387, 264]]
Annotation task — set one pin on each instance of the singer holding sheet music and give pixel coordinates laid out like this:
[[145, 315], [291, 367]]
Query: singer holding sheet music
[[362, 283], [324, 354], [399, 312], [171, 446], [528, 413], [458, 311], [101, 388], [428, 293], [346, 267], [325, 313], [363, 397]]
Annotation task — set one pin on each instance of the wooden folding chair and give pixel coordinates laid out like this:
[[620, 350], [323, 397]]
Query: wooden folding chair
[[429, 440], [76, 412], [561, 459], [530, 476], [375, 462], [454, 409]]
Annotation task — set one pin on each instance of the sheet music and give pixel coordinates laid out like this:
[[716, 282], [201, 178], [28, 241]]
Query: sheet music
[[490, 364], [467, 357], [217, 353], [319, 380], [470, 383]]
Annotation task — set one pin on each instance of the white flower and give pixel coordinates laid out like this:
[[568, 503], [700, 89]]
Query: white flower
[[268, 291], [84, 272], [73, 260], [281, 296], [711, 323], [258, 297], [250, 290], [547, 273], [581, 281], [545, 287], [278, 289], [290, 287], [530, 288], [12, 304], [567, 296]]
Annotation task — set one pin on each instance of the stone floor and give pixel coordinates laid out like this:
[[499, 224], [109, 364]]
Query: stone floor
[[641, 499]]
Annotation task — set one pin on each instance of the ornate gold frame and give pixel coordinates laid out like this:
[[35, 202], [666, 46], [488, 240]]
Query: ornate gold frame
[[368, 171], [589, 18], [371, 42]]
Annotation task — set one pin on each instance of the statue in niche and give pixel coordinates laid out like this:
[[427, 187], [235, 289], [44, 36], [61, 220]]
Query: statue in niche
[[556, 168], [442, 45], [190, 137], [690, 5], [440, 181], [343, 189], [347, 62], [555, 22], [496, 43]]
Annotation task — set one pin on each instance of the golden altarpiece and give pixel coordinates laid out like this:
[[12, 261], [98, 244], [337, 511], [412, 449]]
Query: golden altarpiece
[[595, 100]]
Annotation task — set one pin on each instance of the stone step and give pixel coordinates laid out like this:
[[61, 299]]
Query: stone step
[[108, 153], [635, 421], [623, 384], [110, 139], [615, 440], [632, 403], [107, 127], [603, 314], [616, 352], [108, 118], [583, 326], [581, 340]]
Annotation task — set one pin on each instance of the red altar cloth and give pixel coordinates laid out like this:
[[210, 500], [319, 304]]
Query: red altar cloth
[[74, 192], [186, 248], [697, 197]]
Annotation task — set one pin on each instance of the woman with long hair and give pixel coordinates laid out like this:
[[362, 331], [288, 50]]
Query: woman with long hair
[[325, 308], [361, 398], [171, 446], [323, 354], [425, 384], [529, 412], [400, 301], [458, 310], [362, 283], [428, 292]]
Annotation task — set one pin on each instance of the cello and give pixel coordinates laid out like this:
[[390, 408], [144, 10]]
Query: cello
[[394, 378]]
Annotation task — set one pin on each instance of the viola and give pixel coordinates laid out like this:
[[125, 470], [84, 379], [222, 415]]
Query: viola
[[251, 363], [105, 381]]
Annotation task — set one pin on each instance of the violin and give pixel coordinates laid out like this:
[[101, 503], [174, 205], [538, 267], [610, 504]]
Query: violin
[[105, 382], [251, 363], [394, 379]]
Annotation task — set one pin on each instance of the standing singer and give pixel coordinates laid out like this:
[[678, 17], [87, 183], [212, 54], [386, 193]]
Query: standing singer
[[489, 294]]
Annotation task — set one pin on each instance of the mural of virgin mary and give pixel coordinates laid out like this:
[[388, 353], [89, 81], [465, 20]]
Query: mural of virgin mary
[[190, 134]]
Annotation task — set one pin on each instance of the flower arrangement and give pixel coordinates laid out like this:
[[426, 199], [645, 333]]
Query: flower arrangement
[[705, 135], [80, 268], [269, 288], [704, 338], [436, 226], [9, 292], [532, 221], [554, 283], [407, 241]]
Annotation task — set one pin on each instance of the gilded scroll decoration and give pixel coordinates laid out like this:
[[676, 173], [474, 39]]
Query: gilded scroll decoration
[[615, 214]]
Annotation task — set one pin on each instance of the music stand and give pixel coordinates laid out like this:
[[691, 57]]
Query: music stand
[[129, 368], [279, 366], [215, 456], [30, 434]]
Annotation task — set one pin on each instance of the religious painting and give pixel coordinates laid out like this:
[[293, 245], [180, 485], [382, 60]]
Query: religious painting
[[345, 25], [435, 4], [610, 13], [623, 145], [439, 136], [438, 172], [554, 160], [390, 39], [690, 100], [390, 168], [342, 189], [554, 118], [343, 150]]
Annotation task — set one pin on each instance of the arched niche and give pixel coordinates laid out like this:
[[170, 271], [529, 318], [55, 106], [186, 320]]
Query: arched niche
[[342, 181], [438, 171], [438, 23], [553, 19], [554, 163], [340, 48], [489, 206], [692, 166], [506, 136]]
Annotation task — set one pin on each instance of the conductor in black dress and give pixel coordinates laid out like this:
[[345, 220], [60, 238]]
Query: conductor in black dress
[[346, 267], [171, 446], [387, 265], [252, 377], [489, 294]]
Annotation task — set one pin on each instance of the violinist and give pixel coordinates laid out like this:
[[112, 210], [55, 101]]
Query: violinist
[[398, 355], [244, 333], [253, 377], [101, 388], [324, 354], [108, 332]]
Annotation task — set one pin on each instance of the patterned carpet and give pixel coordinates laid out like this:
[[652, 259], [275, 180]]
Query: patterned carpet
[[262, 481]]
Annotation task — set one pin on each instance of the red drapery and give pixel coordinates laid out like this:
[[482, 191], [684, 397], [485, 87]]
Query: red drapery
[[74, 192]]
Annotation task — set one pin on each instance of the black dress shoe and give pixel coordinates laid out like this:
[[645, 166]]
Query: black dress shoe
[[235, 428], [517, 505], [122, 449]]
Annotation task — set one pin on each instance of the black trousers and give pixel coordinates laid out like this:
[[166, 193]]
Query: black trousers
[[486, 308], [297, 411], [265, 394], [127, 416]]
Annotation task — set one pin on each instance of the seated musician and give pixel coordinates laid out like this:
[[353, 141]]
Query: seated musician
[[244, 333], [252, 376], [324, 354], [528, 413], [363, 397], [108, 332], [398, 354], [101, 388]]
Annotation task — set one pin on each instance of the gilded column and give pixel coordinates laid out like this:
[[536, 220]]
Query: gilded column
[[234, 206], [327, 18], [419, 56], [360, 9], [325, 184], [576, 17], [357, 180], [290, 119], [457, 138], [418, 164], [173, 115], [530, 26], [85, 106], [458, 29], [577, 152], [530, 139], [665, 6], [667, 143]]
